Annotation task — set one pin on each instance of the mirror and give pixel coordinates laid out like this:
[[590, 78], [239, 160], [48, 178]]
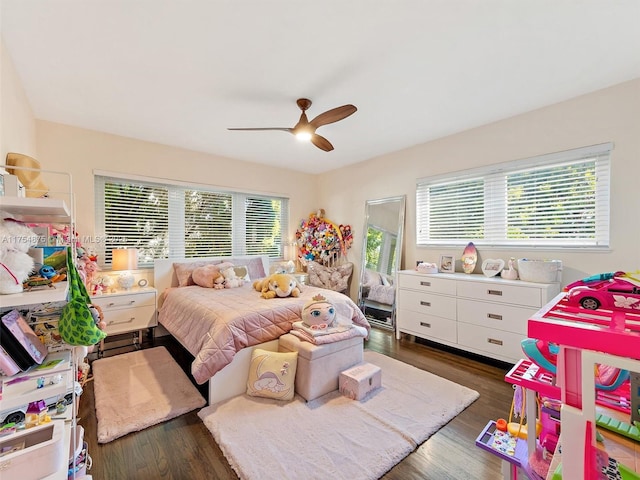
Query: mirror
[[381, 251]]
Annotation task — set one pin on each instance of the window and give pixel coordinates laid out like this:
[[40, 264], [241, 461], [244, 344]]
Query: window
[[176, 220], [555, 200]]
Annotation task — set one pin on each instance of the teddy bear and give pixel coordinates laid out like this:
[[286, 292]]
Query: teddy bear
[[15, 263], [277, 285], [231, 279]]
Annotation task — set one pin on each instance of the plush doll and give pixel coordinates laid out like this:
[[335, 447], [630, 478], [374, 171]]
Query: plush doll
[[277, 285], [231, 279], [318, 313], [15, 263]]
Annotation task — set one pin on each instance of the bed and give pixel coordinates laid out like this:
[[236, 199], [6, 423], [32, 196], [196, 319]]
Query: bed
[[220, 328]]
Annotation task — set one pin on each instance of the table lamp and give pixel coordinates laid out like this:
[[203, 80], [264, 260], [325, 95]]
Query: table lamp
[[124, 260]]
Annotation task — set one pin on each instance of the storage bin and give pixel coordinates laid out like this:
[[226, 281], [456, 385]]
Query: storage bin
[[357, 382], [540, 271], [34, 453], [319, 366]]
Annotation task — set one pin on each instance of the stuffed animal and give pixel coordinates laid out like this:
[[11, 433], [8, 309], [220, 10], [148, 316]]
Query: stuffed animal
[[15, 263], [208, 276], [318, 313], [277, 285], [231, 279]]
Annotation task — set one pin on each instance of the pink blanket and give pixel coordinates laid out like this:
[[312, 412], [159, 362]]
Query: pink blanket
[[215, 324]]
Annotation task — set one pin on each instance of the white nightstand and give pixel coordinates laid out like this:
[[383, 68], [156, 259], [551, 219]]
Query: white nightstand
[[128, 311]]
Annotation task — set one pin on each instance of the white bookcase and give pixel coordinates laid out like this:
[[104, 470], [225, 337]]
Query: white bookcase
[[21, 388]]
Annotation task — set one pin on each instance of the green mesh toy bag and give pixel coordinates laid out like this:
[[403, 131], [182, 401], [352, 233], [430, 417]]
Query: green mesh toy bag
[[77, 326]]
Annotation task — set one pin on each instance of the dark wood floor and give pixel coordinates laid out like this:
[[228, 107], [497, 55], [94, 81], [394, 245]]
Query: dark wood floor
[[184, 449]]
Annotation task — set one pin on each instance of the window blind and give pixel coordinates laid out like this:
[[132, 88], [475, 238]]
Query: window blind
[[555, 200], [175, 221]]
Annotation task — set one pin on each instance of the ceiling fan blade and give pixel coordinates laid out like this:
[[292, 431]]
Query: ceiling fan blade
[[333, 115], [321, 142], [284, 129]]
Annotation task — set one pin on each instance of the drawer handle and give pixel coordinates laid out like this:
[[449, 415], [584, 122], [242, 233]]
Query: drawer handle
[[494, 292], [494, 341], [494, 316], [425, 324], [425, 284], [425, 304], [114, 304], [123, 321]]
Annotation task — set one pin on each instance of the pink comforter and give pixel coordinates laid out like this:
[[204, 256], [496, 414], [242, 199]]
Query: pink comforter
[[215, 324]]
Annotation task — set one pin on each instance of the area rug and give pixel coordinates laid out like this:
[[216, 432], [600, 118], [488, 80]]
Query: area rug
[[332, 436], [136, 390]]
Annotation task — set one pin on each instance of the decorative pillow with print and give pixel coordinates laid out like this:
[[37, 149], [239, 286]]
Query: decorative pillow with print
[[272, 374]]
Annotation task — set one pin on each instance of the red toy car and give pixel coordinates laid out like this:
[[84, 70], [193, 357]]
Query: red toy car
[[611, 294]]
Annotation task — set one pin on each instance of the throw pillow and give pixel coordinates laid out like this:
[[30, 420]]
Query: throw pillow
[[272, 374], [332, 278], [208, 276]]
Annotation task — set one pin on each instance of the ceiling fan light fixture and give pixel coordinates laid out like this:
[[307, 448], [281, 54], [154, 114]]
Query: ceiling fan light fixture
[[303, 136]]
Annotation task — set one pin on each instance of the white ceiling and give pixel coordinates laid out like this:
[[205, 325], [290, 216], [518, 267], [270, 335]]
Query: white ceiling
[[181, 72]]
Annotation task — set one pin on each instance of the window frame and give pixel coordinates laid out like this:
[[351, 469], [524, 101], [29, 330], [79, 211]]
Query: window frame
[[494, 200], [176, 221]]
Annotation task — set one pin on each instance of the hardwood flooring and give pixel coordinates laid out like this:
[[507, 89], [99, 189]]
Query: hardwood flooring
[[183, 448]]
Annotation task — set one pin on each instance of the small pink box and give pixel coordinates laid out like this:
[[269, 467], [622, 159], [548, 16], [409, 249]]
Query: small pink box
[[357, 382]]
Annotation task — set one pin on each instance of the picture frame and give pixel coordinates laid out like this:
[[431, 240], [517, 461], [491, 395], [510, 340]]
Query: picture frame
[[447, 264]]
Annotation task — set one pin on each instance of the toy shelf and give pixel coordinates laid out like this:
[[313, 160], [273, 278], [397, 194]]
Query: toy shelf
[[57, 293], [20, 389]]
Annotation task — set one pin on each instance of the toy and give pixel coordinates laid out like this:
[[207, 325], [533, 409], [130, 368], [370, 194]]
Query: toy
[[318, 313], [611, 294], [510, 273], [231, 279], [15, 262], [277, 285]]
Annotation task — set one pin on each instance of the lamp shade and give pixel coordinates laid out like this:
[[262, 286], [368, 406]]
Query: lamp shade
[[124, 259]]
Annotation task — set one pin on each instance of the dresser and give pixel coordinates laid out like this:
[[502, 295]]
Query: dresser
[[483, 315], [128, 311]]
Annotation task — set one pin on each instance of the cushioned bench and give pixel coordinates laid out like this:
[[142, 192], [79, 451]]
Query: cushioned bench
[[319, 366]]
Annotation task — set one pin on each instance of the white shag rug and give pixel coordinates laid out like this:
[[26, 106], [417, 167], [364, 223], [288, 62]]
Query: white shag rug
[[332, 436], [136, 390]]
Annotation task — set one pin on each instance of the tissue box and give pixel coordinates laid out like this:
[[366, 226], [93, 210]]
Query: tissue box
[[357, 382]]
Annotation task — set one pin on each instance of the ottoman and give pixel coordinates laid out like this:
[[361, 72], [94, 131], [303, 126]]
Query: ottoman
[[319, 366]]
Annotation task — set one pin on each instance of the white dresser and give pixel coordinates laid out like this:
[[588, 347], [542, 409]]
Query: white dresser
[[482, 315]]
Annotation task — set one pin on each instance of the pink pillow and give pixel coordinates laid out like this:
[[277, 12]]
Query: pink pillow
[[206, 276]]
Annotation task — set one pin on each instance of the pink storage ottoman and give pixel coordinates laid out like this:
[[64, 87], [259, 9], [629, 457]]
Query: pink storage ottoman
[[356, 382], [319, 366]]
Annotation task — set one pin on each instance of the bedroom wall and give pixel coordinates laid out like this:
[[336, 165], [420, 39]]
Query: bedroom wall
[[17, 122], [608, 115]]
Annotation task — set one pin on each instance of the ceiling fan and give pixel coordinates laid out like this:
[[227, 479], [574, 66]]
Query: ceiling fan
[[306, 130]]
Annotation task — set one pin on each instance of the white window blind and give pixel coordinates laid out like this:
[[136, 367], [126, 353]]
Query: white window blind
[[555, 200], [174, 221]]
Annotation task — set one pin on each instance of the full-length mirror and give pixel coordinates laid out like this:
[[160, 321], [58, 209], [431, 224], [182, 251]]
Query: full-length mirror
[[381, 250]]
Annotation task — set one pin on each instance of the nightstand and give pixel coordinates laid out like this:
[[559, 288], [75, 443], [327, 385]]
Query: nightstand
[[128, 311]]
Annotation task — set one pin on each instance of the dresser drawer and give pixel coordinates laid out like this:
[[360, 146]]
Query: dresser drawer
[[119, 302], [426, 326], [495, 292], [425, 283], [130, 319], [496, 316], [490, 342], [425, 303]]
